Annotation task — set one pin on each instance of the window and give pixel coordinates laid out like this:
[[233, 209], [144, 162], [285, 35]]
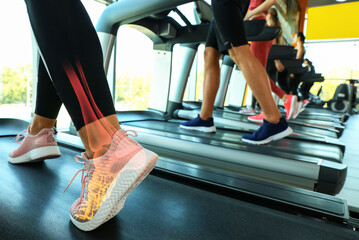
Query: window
[[134, 64], [188, 11], [337, 64], [15, 61]]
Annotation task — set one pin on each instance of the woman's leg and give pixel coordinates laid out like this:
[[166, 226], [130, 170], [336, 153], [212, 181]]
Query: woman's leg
[[39, 143], [283, 81], [48, 102], [276, 90], [72, 52], [273, 74], [261, 50], [254, 103], [304, 90], [293, 84]]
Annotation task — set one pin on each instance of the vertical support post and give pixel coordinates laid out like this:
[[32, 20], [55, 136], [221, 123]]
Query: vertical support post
[[181, 70], [226, 72]]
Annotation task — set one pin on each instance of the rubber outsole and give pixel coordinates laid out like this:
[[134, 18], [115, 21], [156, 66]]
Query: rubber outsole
[[115, 197], [255, 121], [201, 129], [275, 137], [37, 155]]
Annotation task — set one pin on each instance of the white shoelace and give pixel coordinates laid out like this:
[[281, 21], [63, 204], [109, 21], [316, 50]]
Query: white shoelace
[[20, 136], [83, 178]]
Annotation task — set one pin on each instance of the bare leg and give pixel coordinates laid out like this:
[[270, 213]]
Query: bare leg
[[38, 123], [210, 82], [257, 80]]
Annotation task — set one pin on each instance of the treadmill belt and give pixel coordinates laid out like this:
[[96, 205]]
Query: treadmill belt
[[224, 138], [296, 128], [34, 206]]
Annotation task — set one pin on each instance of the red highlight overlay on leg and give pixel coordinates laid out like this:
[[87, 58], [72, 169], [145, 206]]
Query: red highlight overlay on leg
[[90, 111]]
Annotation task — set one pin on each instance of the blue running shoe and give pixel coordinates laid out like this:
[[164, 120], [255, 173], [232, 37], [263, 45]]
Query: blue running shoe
[[269, 132], [199, 125]]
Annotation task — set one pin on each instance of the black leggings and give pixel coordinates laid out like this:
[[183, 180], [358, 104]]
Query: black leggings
[[293, 83], [304, 90], [71, 70], [282, 80]]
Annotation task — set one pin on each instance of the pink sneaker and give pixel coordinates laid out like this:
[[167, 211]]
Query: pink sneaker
[[109, 180], [291, 106], [305, 103], [247, 111], [257, 118], [35, 148], [299, 109]]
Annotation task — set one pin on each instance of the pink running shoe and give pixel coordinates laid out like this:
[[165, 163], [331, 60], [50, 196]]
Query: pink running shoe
[[257, 118], [299, 109], [305, 103], [291, 106], [247, 111], [109, 180], [35, 148]]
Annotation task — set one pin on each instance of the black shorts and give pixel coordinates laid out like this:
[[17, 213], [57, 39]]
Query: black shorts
[[213, 39], [227, 28]]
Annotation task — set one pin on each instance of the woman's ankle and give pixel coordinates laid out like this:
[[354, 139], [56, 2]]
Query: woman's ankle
[[38, 123], [100, 152], [33, 130]]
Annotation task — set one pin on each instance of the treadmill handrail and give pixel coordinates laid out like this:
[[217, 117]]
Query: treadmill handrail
[[127, 11]]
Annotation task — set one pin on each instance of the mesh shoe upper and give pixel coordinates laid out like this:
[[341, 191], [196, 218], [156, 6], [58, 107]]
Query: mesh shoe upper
[[198, 122], [101, 172], [30, 142], [267, 130], [291, 106]]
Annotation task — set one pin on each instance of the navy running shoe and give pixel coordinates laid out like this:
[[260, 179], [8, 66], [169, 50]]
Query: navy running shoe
[[199, 124], [269, 132]]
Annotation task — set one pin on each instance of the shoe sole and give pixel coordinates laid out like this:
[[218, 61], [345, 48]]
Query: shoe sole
[[303, 107], [248, 114], [37, 155], [292, 107], [299, 110], [255, 120], [201, 129], [126, 181], [121, 202], [275, 137]]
